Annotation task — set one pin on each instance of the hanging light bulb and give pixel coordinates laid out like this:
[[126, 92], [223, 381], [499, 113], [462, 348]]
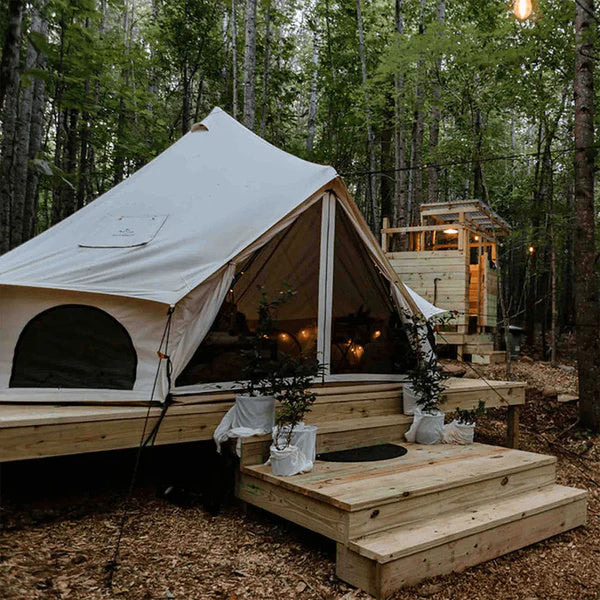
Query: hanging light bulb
[[523, 9]]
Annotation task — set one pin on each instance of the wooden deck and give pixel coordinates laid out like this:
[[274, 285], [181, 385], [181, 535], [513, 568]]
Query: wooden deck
[[39, 430], [435, 510]]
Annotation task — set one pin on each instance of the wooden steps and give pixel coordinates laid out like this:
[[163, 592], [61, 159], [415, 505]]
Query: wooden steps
[[382, 563], [398, 521]]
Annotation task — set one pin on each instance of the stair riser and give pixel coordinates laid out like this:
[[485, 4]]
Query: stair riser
[[405, 510], [256, 452], [298, 508], [382, 580], [388, 404]]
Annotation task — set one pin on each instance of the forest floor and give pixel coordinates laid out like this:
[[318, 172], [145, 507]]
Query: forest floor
[[59, 547]]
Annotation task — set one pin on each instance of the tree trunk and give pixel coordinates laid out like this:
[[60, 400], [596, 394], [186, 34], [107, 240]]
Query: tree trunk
[[415, 178], [586, 277], [266, 67], [36, 126], [400, 166], [436, 116], [22, 142], [250, 65], [9, 92], [312, 104], [234, 65], [370, 195]]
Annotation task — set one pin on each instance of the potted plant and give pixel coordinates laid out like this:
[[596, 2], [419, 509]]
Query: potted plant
[[462, 429], [294, 443], [254, 408], [426, 388]]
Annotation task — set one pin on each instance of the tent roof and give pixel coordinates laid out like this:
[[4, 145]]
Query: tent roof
[[167, 228], [427, 309]]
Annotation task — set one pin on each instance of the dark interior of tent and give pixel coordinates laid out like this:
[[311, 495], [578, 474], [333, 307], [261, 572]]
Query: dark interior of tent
[[366, 333]]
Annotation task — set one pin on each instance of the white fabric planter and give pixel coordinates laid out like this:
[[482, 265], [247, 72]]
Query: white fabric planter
[[304, 437], [427, 428], [409, 399], [250, 415], [286, 462], [458, 433]]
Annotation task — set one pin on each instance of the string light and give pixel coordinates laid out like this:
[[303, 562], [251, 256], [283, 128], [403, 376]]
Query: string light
[[523, 9]]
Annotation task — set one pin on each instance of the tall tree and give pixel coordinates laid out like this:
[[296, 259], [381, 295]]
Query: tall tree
[[586, 276], [250, 65], [9, 93], [266, 68], [312, 103], [370, 204], [436, 115], [415, 177], [400, 164]]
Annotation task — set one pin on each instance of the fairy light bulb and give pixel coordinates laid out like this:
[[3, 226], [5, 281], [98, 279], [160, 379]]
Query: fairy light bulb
[[523, 9], [531, 249]]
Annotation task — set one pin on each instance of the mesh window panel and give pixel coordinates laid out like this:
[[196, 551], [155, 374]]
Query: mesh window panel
[[74, 346], [292, 258], [367, 335]]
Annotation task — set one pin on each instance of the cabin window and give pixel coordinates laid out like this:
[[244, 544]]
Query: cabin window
[[367, 335], [74, 346], [291, 257]]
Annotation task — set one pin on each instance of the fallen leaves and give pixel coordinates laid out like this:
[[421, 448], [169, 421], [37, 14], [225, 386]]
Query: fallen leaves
[[186, 554]]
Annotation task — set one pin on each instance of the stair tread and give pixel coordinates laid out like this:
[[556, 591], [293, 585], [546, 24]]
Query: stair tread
[[415, 537], [423, 470], [346, 424]]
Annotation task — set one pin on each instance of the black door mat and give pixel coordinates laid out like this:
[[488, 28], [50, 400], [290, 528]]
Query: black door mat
[[365, 454]]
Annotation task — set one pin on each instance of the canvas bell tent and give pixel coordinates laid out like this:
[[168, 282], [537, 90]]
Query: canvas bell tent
[[169, 263]]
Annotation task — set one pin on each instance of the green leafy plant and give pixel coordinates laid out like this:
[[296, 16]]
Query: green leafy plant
[[292, 383], [469, 417], [259, 363], [427, 378]]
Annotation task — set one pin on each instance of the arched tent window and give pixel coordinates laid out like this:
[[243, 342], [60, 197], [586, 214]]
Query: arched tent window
[[74, 346]]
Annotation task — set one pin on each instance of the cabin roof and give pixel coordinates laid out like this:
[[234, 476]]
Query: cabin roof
[[476, 212]]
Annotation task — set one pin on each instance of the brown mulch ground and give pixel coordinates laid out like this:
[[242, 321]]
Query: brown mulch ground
[[58, 547]]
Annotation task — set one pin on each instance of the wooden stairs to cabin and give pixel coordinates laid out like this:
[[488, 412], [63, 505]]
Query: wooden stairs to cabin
[[434, 510]]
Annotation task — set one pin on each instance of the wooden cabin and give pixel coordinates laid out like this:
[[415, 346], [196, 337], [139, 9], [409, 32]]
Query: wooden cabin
[[451, 259]]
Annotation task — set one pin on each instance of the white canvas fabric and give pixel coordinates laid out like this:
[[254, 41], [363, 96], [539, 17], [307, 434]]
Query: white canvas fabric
[[171, 235], [216, 191], [427, 309]]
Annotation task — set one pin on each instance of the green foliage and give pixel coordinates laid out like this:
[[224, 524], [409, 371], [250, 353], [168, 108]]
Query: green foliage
[[427, 378], [260, 370], [469, 417], [293, 379], [116, 75]]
